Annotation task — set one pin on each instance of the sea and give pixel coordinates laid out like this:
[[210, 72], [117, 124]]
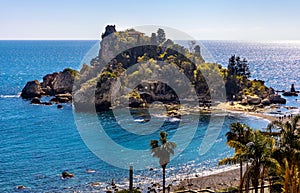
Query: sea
[[38, 143]]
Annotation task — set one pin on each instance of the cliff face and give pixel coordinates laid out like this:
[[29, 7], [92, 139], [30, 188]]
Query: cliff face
[[32, 89]]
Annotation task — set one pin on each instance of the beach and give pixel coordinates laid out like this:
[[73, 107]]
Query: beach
[[223, 179]]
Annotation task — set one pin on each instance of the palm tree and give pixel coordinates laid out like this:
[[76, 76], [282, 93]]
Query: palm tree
[[250, 145], [288, 153], [237, 136], [260, 152], [163, 152]]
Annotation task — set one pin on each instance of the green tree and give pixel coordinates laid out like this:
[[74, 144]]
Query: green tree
[[163, 152], [251, 145], [288, 153], [237, 76], [161, 36], [237, 137], [260, 151], [238, 67], [245, 69], [232, 67]]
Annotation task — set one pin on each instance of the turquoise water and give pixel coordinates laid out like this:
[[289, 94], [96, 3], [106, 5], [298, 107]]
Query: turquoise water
[[39, 142]]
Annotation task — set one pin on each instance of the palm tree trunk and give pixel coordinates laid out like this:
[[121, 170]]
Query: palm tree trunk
[[164, 178], [241, 170], [242, 182], [262, 189]]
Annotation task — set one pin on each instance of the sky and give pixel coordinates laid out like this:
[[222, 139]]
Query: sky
[[202, 19]]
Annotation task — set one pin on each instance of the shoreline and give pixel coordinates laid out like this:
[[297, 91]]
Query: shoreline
[[220, 179], [228, 176]]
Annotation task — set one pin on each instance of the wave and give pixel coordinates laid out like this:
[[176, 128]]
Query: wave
[[9, 96]]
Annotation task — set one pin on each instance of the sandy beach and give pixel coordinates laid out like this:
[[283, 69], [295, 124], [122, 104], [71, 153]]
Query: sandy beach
[[221, 180]]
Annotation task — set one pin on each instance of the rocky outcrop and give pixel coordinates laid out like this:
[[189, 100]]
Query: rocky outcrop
[[32, 89], [253, 100], [62, 98], [276, 99], [58, 84], [47, 83], [270, 99], [266, 102], [292, 92], [63, 83]]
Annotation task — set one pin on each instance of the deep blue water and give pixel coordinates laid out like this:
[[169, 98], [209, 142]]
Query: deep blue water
[[37, 143]]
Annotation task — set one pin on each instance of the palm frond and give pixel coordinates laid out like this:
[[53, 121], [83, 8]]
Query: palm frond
[[229, 161]]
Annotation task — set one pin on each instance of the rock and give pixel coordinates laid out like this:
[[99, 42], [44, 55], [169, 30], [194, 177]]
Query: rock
[[48, 82], [54, 100], [63, 82], [60, 100], [67, 95], [253, 100], [244, 102], [46, 103], [88, 98], [32, 89], [59, 106], [266, 102], [21, 187], [135, 102], [95, 184], [66, 174], [259, 105], [293, 88], [36, 100], [63, 100], [290, 94], [277, 99], [271, 91]]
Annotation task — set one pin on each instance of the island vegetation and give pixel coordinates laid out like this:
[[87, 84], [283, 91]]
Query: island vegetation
[[120, 51]]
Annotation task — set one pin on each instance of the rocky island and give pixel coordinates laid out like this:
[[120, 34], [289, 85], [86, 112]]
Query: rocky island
[[94, 86], [58, 84]]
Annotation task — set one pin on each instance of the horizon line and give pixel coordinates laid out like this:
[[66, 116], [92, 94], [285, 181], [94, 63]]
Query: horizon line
[[242, 40]]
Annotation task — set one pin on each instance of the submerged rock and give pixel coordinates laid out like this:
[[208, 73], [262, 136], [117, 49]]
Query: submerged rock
[[59, 106], [66, 174], [21, 187], [36, 100]]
